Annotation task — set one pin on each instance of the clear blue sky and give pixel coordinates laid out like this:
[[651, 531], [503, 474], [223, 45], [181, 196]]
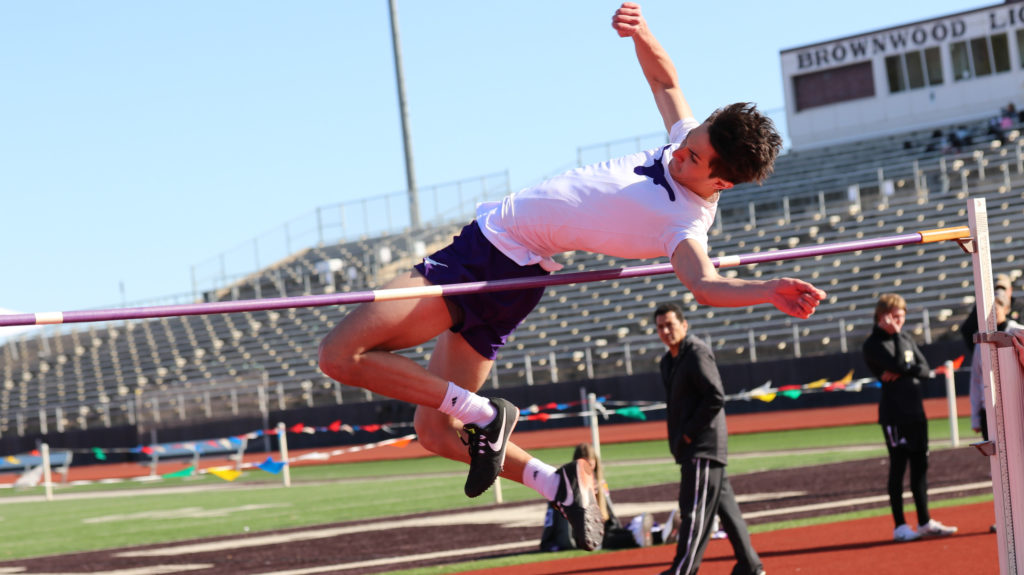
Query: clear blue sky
[[140, 138]]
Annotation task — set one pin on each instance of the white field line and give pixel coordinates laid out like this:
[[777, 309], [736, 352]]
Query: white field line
[[408, 558], [528, 515], [860, 501], [147, 570]]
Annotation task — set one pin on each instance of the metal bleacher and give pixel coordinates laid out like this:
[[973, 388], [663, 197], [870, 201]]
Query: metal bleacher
[[184, 367]]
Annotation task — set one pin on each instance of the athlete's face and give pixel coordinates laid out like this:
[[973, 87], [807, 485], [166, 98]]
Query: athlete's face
[[671, 330], [691, 163]]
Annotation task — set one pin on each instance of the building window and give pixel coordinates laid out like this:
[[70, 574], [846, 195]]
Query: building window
[[1020, 46], [981, 56], [914, 70], [833, 86]]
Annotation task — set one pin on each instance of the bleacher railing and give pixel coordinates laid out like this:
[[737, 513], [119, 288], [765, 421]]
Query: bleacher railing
[[368, 217]]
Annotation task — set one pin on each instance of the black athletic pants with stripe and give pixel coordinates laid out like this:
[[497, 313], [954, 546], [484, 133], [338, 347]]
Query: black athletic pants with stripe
[[704, 491], [747, 560], [908, 444], [700, 488]]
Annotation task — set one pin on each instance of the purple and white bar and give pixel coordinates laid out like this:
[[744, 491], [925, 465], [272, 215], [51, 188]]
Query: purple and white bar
[[86, 316]]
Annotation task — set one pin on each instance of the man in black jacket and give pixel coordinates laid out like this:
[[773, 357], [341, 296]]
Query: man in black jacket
[[970, 325], [697, 437], [897, 362]]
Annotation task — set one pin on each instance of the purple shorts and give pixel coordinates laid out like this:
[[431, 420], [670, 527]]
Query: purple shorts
[[487, 318]]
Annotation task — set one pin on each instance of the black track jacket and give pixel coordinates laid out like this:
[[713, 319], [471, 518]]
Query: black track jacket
[[695, 397], [901, 400]]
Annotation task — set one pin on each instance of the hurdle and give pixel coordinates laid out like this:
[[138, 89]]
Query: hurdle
[[1004, 401], [958, 233]]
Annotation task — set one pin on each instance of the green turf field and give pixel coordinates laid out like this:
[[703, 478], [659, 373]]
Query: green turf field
[[107, 516]]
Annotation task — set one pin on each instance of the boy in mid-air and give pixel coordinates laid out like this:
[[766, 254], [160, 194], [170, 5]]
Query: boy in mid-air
[[650, 204]]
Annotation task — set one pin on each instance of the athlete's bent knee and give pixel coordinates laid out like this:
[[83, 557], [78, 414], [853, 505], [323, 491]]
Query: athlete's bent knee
[[337, 362]]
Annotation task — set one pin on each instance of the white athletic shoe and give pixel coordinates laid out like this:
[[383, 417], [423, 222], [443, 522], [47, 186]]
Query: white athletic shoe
[[934, 528], [640, 527], [905, 533]]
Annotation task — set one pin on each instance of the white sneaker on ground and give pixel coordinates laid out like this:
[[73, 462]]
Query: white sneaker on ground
[[640, 527], [934, 528], [905, 533]]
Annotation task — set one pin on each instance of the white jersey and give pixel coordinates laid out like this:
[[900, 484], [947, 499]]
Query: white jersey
[[628, 207]]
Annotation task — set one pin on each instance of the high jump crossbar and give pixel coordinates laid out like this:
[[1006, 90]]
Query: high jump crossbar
[[85, 316]]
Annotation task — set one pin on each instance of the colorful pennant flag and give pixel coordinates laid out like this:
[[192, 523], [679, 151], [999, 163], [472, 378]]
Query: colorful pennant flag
[[187, 472], [225, 473], [632, 412], [271, 466]]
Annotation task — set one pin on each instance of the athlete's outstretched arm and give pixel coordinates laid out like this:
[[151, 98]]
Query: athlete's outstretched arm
[[693, 267], [655, 63]]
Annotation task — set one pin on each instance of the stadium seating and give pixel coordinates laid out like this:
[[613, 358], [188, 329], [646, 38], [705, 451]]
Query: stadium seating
[[174, 369]]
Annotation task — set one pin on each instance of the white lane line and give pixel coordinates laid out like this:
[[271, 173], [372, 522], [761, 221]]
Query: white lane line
[[147, 570], [408, 558], [183, 513], [860, 501], [528, 515], [513, 516]]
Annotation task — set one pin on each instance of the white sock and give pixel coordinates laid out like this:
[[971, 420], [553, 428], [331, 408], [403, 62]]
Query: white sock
[[467, 406], [542, 478]]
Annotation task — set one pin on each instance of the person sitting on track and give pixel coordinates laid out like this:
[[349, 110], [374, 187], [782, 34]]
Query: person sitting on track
[[656, 203], [641, 531]]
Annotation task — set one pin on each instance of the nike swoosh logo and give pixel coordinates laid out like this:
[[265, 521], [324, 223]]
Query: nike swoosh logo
[[568, 490], [501, 436], [434, 263]]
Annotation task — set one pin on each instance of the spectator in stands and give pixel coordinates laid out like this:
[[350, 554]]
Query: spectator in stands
[[979, 419], [1008, 116], [651, 204], [1016, 312], [995, 129], [639, 532], [697, 437], [897, 362], [963, 137]]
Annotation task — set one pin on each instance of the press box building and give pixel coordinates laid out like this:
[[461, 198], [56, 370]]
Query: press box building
[[957, 68]]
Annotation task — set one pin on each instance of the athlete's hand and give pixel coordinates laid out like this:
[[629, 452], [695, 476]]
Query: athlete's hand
[[628, 20], [796, 297], [1018, 344]]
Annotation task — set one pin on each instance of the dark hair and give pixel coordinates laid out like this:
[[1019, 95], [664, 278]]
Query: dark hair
[[664, 308], [745, 142]]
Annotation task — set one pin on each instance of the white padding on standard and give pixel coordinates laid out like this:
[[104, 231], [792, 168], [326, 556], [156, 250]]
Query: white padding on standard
[[49, 317], [728, 261], [407, 293]]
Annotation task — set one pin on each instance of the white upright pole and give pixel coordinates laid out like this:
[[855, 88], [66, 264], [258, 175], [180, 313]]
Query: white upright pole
[[498, 498], [595, 435], [954, 427], [47, 476], [282, 442]]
